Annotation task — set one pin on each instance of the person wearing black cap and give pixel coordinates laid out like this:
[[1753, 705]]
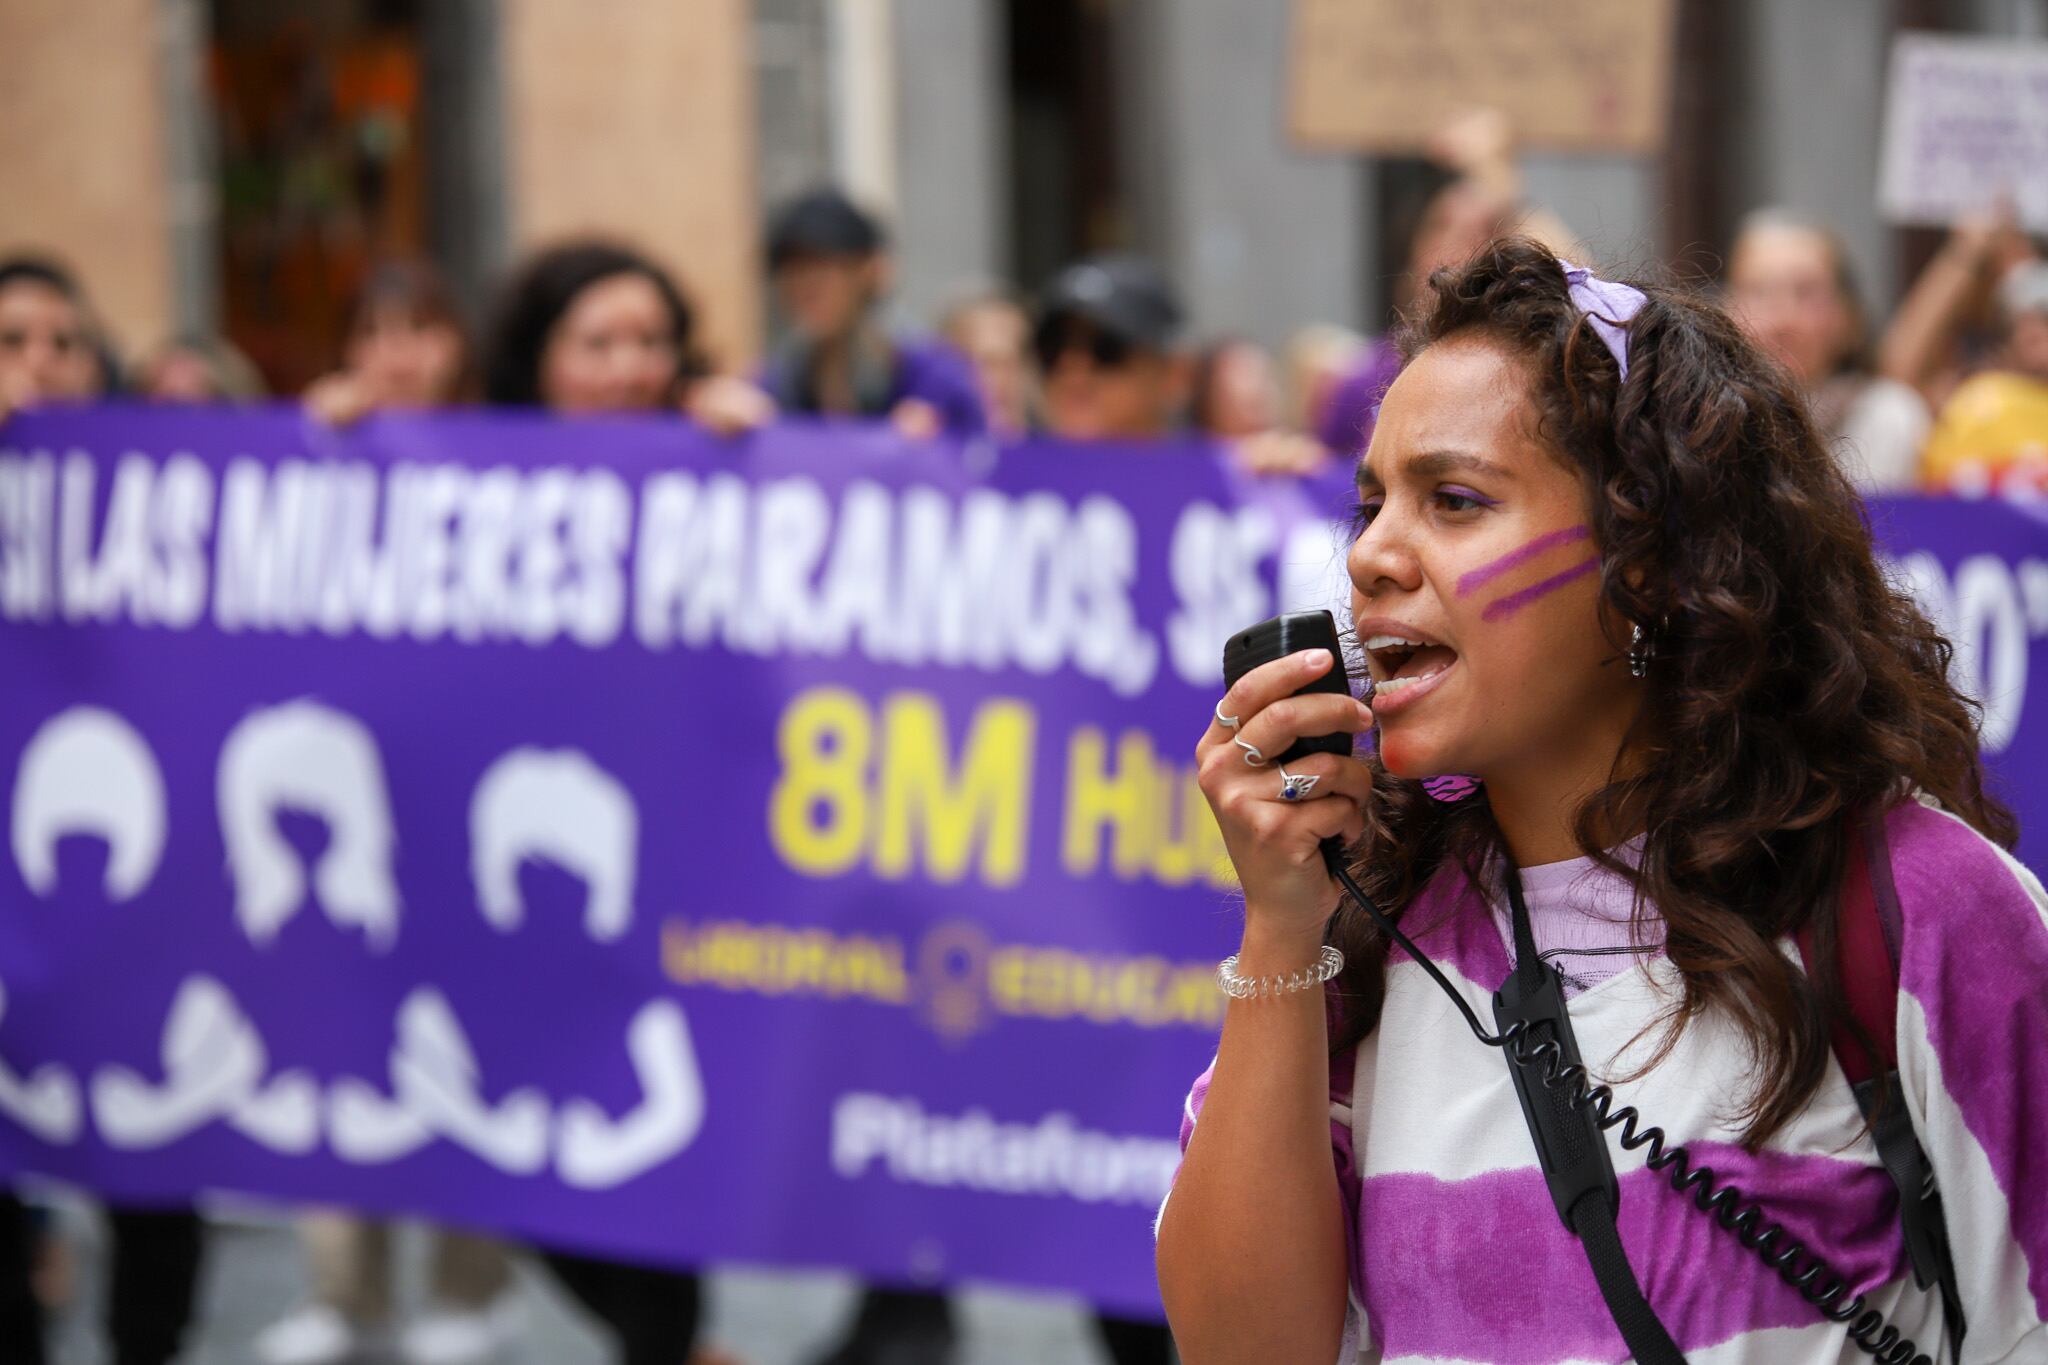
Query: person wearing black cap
[[1107, 341], [829, 264]]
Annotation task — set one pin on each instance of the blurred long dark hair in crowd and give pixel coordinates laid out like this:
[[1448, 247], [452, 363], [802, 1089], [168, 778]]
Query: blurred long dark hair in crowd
[[540, 296]]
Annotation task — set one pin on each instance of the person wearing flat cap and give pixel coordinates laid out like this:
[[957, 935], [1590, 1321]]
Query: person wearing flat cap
[[829, 264], [1105, 333], [1107, 341]]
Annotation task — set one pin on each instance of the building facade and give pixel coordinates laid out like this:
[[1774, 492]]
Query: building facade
[[231, 165]]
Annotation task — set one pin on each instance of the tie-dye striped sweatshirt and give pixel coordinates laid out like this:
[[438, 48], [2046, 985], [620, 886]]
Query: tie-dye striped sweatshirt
[[1457, 1253]]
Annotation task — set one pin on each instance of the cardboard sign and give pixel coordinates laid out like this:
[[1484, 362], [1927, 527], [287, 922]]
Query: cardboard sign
[[1383, 75], [1966, 124]]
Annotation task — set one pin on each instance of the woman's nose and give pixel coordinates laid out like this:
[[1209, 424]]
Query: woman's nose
[[1381, 556]]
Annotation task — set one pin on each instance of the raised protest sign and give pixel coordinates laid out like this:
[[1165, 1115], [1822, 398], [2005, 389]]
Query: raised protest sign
[[627, 841], [1385, 75], [1966, 126]]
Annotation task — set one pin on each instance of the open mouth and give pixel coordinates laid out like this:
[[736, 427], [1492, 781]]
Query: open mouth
[[1397, 662]]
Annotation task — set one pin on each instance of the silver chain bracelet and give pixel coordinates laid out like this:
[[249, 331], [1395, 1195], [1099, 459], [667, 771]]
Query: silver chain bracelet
[[1327, 965]]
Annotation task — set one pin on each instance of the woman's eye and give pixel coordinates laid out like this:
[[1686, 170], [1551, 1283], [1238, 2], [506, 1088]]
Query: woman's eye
[[1461, 500]]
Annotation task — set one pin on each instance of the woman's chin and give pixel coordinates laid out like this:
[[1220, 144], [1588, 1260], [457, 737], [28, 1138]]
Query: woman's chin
[[1410, 757]]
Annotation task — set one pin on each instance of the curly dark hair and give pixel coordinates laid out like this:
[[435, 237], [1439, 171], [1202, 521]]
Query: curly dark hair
[[537, 297], [1792, 685]]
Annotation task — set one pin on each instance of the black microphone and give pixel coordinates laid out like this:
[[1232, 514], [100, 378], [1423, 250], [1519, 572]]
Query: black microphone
[[1276, 639]]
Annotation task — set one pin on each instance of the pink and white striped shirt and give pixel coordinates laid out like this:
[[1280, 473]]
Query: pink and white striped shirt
[[1457, 1253]]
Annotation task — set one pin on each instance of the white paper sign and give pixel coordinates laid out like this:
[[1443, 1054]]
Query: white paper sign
[[1966, 123]]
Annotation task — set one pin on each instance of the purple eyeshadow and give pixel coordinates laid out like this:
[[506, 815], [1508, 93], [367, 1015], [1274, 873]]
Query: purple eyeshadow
[[1459, 491]]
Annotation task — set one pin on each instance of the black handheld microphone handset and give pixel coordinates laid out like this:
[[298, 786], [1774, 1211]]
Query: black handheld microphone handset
[[1276, 639], [1567, 1114]]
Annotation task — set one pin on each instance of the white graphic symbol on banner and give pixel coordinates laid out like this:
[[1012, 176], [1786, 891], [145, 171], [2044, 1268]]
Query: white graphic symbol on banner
[[87, 771], [434, 1076], [560, 806], [305, 756], [214, 1065], [45, 1103], [596, 1152]]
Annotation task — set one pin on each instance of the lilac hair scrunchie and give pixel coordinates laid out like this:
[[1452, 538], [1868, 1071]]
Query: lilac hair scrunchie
[[1608, 308]]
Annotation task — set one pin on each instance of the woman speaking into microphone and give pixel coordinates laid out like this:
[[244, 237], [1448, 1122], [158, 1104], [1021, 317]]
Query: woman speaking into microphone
[[1665, 775]]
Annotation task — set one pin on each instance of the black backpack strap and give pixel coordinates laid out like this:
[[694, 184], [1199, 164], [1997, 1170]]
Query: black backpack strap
[[1569, 1144], [1648, 1342], [1869, 930]]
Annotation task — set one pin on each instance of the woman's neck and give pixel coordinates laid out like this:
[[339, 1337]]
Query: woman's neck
[[1536, 804], [1536, 825]]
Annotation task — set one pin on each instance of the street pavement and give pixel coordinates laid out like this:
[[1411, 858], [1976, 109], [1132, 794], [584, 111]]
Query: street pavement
[[253, 1274]]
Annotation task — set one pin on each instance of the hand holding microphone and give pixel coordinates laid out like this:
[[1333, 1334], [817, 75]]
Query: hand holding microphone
[[1277, 768]]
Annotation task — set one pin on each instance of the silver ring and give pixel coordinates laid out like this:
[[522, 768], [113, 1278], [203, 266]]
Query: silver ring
[[1296, 786], [1227, 722], [1252, 755]]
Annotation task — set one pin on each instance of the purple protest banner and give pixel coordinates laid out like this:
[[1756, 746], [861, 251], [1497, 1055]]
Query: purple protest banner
[[781, 851]]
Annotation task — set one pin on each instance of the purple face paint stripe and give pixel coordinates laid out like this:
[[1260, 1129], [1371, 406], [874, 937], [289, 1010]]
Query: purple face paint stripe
[[1514, 602], [1485, 574]]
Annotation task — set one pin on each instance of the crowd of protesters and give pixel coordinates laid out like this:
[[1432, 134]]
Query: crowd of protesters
[[1948, 397], [1951, 396]]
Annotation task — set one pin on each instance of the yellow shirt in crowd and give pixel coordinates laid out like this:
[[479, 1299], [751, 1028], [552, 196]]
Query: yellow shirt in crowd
[[1991, 437]]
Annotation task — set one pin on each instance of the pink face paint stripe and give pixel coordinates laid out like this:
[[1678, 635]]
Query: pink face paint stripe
[[1485, 574], [1515, 601]]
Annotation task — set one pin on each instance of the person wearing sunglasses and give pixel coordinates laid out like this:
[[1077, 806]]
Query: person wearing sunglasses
[[1107, 343]]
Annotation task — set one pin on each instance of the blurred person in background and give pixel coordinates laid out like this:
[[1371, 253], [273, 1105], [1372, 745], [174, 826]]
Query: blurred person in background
[[592, 327], [1950, 322], [1106, 343], [1992, 435], [1236, 393], [829, 264], [1473, 194], [1792, 288], [1107, 340], [585, 329], [470, 1315], [993, 331], [197, 369], [595, 327], [51, 351], [50, 347], [405, 349], [1319, 358], [1236, 399]]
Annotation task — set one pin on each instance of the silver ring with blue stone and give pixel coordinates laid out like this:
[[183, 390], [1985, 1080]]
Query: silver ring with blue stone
[[1296, 786]]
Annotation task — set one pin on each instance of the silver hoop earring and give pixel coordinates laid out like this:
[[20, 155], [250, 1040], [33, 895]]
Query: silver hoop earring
[[1638, 653]]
